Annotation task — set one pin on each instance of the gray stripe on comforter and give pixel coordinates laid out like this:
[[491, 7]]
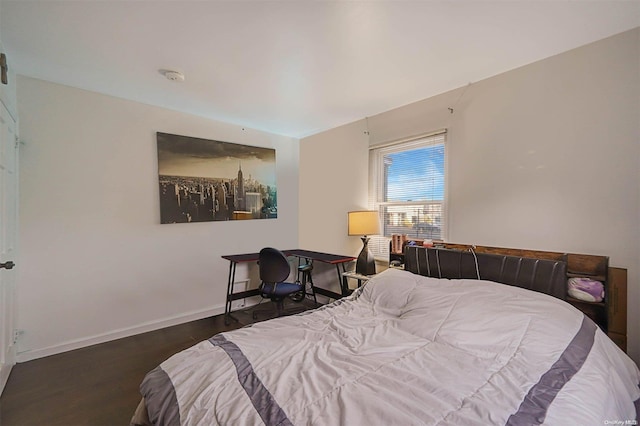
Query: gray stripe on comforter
[[160, 398], [262, 400], [533, 409]]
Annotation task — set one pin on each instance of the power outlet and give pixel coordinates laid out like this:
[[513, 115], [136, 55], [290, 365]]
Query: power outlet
[[17, 335]]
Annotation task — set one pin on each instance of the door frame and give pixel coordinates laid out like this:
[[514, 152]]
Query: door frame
[[8, 240]]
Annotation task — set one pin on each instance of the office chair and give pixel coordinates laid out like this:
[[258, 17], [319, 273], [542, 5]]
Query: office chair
[[274, 269]]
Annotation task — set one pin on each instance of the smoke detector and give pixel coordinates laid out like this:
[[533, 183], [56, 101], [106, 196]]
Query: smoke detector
[[173, 75]]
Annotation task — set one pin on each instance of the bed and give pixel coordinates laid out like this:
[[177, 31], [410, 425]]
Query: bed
[[457, 338]]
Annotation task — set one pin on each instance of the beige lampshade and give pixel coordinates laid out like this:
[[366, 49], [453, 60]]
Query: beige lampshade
[[364, 223]]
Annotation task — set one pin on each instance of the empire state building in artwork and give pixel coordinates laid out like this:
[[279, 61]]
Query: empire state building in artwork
[[240, 200]]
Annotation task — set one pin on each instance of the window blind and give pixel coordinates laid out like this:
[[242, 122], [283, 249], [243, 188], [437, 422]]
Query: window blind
[[408, 190]]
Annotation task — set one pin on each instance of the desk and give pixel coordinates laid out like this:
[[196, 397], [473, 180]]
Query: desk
[[234, 259]]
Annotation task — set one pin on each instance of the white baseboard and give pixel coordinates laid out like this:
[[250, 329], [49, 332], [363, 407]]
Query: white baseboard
[[118, 334]]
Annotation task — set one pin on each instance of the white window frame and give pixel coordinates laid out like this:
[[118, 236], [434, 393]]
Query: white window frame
[[379, 245]]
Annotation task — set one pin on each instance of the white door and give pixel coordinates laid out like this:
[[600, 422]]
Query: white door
[[8, 236]]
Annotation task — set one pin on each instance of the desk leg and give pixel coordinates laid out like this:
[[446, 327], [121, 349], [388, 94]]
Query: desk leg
[[227, 306]]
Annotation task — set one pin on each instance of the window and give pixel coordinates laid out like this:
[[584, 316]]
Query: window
[[408, 190]]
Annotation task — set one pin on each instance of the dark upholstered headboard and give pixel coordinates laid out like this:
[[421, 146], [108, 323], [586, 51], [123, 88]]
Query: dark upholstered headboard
[[545, 276]]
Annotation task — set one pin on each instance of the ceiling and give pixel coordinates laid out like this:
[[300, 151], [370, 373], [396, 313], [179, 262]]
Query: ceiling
[[294, 68]]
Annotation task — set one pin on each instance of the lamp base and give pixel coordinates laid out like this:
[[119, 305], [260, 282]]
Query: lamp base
[[365, 264]]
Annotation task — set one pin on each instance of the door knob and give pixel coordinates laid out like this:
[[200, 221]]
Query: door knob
[[7, 265]]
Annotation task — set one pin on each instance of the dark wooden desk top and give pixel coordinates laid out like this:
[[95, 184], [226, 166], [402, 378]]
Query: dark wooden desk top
[[309, 254], [319, 256]]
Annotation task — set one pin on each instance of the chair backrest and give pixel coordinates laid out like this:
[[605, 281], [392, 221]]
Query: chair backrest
[[274, 266]]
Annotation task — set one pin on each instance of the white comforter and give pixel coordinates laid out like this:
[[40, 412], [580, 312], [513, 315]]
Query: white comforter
[[405, 350]]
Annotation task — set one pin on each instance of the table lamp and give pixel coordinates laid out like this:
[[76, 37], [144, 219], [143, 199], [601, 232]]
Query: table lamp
[[364, 223]]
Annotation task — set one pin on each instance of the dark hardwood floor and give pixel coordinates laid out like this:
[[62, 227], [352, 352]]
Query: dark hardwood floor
[[98, 385]]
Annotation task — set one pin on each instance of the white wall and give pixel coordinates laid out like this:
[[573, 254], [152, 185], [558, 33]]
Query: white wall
[[96, 263], [332, 183], [544, 157]]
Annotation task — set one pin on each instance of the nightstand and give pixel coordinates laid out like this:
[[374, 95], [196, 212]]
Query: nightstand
[[355, 276]]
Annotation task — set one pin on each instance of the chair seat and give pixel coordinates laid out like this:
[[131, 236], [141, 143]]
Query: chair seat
[[281, 290]]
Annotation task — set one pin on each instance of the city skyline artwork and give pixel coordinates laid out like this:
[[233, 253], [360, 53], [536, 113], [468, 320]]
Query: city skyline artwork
[[203, 180]]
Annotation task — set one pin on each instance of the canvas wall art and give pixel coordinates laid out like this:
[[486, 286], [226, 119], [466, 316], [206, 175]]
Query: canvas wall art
[[204, 180]]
